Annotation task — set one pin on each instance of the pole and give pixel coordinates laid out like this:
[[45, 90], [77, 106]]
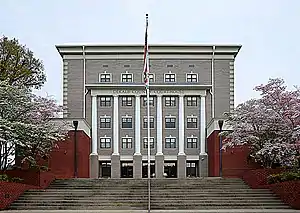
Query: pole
[[148, 132], [75, 123]]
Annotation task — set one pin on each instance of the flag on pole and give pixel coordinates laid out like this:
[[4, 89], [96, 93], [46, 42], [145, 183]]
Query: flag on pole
[[146, 57]]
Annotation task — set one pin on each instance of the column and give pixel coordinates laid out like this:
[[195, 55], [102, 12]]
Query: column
[[159, 157], [115, 158], [203, 158], [137, 157], [94, 164], [181, 158]]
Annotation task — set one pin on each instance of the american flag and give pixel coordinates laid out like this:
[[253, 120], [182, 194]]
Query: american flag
[[146, 57]]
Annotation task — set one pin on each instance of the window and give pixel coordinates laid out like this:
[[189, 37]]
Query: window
[[170, 122], [151, 77], [170, 101], [151, 101], [126, 143], [170, 142], [105, 101], [105, 143], [192, 101], [191, 122], [145, 125], [170, 77], [126, 101], [127, 77], [191, 142], [191, 77], [105, 122], [105, 77], [127, 122], [145, 143]]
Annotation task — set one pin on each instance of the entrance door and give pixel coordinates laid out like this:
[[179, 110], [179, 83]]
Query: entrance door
[[170, 169], [127, 169], [105, 168], [192, 169], [145, 169]]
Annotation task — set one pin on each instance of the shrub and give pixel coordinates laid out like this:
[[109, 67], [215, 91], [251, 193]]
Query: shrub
[[282, 177], [6, 178]]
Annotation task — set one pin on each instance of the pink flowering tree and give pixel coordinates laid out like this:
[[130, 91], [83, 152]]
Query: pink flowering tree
[[270, 125], [26, 125]]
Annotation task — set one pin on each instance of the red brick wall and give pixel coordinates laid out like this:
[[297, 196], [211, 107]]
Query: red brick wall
[[61, 162]]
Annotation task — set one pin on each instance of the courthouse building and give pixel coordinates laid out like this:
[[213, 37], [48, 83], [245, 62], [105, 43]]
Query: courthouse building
[[191, 86]]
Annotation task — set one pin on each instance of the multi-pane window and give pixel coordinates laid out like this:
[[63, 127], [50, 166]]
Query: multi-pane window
[[170, 142], [105, 122], [191, 142], [105, 77], [170, 122], [127, 122], [170, 101], [170, 77], [126, 101], [105, 101], [127, 77], [105, 142], [191, 77], [151, 77], [145, 143], [191, 101], [151, 101], [191, 122], [127, 143], [145, 123]]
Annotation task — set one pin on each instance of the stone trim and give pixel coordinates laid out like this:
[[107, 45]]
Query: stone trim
[[231, 85], [65, 88]]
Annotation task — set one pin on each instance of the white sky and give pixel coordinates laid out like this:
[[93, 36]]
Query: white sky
[[269, 31]]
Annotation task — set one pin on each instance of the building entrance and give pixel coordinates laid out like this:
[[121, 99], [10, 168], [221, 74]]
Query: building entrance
[[105, 169], [127, 169], [170, 169], [192, 169], [145, 169]]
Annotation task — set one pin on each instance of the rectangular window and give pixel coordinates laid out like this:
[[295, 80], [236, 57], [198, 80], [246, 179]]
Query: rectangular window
[[145, 143], [151, 101], [170, 101], [127, 122], [105, 122], [191, 142], [126, 101], [151, 77], [170, 77], [105, 101], [191, 122], [191, 77], [105, 77], [126, 143], [145, 124], [170, 142], [105, 143], [127, 77], [170, 122], [192, 101]]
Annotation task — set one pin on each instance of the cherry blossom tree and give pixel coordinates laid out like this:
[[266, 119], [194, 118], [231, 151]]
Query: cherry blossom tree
[[26, 124], [270, 125]]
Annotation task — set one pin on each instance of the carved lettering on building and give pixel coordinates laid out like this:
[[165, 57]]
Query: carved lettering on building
[[142, 92]]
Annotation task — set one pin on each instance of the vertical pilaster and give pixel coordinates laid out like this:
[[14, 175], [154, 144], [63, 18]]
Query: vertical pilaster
[[94, 163], [116, 126], [137, 125], [181, 125], [203, 162], [159, 126]]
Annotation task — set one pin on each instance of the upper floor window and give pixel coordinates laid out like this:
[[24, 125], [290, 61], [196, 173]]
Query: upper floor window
[[105, 101], [170, 142], [191, 122], [170, 77], [191, 101], [105, 122], [191, 142], [126, 101], [170, 122], [126, 142], [151, 101], [151, 77], [145, 123], [145, 143], [105, 142], [170, 101], [105, 77], [127, 122], [191, 77], [127, 77]]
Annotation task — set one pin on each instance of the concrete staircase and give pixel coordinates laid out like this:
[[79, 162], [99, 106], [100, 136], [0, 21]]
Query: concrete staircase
[[130, 194]]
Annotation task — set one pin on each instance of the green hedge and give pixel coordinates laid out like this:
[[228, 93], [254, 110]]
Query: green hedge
[[282, 177], [4, 177]]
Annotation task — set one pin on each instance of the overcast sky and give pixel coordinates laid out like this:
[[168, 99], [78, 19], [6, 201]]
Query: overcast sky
[[269, 31]]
